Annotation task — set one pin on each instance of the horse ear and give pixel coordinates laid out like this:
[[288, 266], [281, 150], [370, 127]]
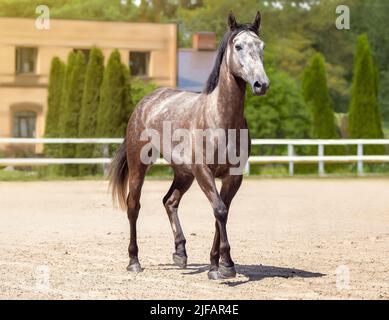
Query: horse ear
[[232, 21], [257, 21]]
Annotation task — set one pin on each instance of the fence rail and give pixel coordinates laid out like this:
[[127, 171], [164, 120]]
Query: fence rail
[[291, 158]]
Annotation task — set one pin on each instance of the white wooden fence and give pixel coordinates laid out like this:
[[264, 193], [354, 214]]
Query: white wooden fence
[[291, 158]]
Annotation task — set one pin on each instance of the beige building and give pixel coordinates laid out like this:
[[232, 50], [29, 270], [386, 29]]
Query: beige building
[[26, 53]]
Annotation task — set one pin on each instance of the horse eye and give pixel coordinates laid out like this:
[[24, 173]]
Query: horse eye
[[238, 47]]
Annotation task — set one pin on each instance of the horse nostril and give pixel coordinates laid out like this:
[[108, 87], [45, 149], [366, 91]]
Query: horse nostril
[[257, 84]]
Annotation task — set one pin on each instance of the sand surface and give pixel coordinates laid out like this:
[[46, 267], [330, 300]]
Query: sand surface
[[290, 239]]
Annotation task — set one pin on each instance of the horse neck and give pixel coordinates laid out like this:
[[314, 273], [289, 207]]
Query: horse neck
[[229, 96]]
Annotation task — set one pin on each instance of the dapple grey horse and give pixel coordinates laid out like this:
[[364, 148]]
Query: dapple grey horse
[[239, 61]]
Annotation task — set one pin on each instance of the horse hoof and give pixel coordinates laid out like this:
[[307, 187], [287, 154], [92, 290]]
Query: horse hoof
[[180, 261], [135, 267], [227, 272], [214, 275]]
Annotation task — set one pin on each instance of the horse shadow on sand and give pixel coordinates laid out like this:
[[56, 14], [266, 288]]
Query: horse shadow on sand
[[253, 272]]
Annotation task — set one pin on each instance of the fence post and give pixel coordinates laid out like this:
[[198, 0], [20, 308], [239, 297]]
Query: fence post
[[321, 162], [291, 164], [105, 155], [360, 161], [247, 168]]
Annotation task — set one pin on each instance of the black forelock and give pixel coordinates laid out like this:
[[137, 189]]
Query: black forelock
[[213, 78]]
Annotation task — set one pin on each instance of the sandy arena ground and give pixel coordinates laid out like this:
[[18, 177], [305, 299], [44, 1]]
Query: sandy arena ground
[[290, 239]]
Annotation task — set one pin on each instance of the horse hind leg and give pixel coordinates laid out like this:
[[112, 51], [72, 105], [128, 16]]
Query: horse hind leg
[[136, 178], [171, 201]]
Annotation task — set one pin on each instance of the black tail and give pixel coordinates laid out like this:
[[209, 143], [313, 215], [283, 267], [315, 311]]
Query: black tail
[[118, 177]]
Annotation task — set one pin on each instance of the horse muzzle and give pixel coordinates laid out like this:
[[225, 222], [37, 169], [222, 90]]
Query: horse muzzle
[[260, 88]]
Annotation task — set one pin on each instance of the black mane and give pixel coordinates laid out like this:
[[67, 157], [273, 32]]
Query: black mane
[[213, 78]]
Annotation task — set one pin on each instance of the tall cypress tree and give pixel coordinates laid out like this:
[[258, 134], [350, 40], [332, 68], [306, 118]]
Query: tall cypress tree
[[59, 169], [68, 71], [364, 111], [115, 101], [72, 108], [316, 95], [89, 108], [128, 104], [56, 82]]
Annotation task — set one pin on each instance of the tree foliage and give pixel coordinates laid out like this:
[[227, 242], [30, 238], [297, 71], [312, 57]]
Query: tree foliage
[[89, 107], [56, 82], [364, 115], [90, 101], [282, 113], [115, 100], [72, 109], [139, 89], [54, 112], [59, 169], [316, 95]]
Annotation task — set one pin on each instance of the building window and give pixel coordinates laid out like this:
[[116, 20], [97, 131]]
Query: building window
[[24, 124], [139, 64], [85, 52], [26, 60]]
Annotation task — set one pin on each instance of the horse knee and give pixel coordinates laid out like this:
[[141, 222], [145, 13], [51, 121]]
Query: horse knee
[[166, 199], [171, 201], [133, 208], [221, 213]]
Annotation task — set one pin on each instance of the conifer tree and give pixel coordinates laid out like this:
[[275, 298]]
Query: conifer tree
[[115, 101], [56, 82], [72, 108], [59, 169], [128, 105], [89, 107], [316, 95], [68, 70], [364, 111]]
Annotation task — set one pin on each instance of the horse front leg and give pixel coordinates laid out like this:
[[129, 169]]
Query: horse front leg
[[230, 186], [206, 182], [213, 273]]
